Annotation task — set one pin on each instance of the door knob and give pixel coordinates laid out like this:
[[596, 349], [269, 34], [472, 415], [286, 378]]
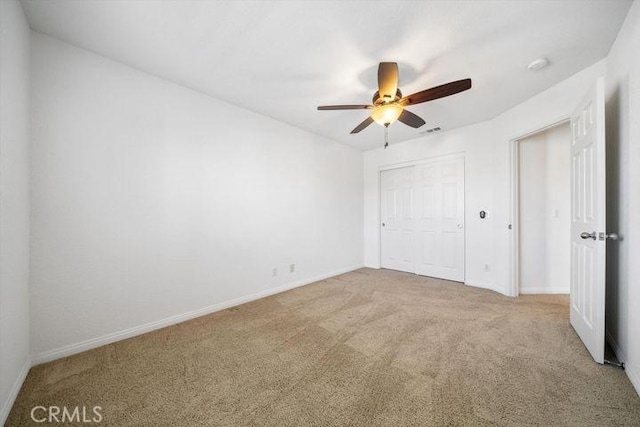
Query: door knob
[[383, 224], [585, 235]]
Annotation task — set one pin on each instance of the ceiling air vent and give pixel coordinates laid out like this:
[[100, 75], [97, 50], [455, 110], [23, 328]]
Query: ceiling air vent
[[432, 130]]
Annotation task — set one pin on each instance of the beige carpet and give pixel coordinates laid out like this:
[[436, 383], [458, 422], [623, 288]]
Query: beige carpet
[[368, 348]]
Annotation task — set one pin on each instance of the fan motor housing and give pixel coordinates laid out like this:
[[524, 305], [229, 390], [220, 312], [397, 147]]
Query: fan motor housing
[[377, 100]]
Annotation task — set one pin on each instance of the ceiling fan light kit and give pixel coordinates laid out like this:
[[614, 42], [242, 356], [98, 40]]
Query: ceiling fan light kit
[[386, 114], [389, 104]]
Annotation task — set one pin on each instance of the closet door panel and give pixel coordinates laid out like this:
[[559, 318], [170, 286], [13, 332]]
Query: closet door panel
[[397, 219]]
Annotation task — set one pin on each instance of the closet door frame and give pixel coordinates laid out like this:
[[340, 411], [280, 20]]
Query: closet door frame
[[416, 163]]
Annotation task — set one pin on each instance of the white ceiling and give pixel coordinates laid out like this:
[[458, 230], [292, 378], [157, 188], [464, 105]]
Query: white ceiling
[[282, 59]]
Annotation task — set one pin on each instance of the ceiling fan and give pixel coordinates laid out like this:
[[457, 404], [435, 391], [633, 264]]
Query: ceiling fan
[[388, 104]]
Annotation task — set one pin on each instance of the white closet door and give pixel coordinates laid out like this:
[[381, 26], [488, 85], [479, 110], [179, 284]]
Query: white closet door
[[397, 213], [440, 219]]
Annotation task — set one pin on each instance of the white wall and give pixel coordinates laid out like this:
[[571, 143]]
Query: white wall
[[545, 217], [532, 181], [150, 200], [487, 151], [14, 202], [558, 230], [623, 194]]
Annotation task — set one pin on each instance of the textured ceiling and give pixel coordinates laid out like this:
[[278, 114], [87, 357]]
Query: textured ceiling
[[282, 59]]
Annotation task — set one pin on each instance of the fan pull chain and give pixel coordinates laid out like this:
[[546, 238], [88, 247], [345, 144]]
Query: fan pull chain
[[386, 136]]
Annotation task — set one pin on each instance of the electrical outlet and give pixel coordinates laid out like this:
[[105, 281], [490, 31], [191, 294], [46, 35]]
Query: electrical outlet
[[487, 267], [292, 268], [274, 272]]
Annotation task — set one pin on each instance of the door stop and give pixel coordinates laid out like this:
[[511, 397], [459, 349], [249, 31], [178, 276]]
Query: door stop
[[614, 363]]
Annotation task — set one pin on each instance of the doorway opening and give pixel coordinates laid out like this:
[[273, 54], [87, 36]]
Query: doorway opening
[[542, 250]]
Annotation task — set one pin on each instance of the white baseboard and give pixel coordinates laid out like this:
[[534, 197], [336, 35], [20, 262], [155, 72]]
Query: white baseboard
[[69, 350], [633, 376], [11, 398], [629, 370], [489, 286], [544, 290]]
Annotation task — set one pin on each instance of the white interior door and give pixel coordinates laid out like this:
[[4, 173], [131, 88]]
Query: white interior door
[[588, 238], [440, 219], [397, 225]]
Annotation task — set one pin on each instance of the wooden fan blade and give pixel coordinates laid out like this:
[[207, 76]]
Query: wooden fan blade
[[388, 80], [362, 125], [437, 92], [410, 119], [345, 107]]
